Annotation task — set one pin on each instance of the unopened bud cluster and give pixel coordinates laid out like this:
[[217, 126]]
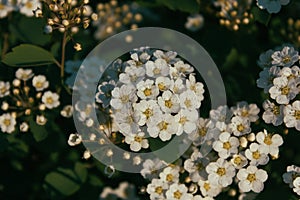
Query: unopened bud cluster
[[112, 17], [234, 13], [67, 15]]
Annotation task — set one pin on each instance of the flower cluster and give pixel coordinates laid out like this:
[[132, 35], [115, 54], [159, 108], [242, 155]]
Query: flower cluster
[[158, 94], [292, 31], [235, 158], [234, 13], [19, 99], [280, 79], [113, 18], [26, 7], [292, 177], [67, 16], [272, 6]]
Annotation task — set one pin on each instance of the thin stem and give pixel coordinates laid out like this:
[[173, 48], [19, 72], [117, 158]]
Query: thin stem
[[63, 52]]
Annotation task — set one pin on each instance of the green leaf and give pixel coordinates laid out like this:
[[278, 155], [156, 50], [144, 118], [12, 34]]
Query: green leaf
[[190, 6], [32, 35], [65, 181], [261, 16], [27, 55], [39, 132], [95, 181]]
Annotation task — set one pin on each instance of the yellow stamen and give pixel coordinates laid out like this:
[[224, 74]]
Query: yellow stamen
[[221, 171]]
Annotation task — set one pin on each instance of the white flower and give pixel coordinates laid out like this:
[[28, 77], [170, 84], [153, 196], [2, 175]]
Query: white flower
[[40, 82], [137, 160], [27, 7], [24, 127], [41, 120], [169, 102], [4, 88], [163, 83], [163, 126], [220, 172], [123, 97], [132, 75], [147, 89], [140, 56], [86, 154], [283, 90], [194, 22], [169, 56], [177, 192], [273, 113], [240, 126], [170, 175], [189, 100], [255, 155], [292, 115], [50, 99], [239, 161], [7, 123], [196, 165], [269, 144], [292, 173], [67, 111], [286, 57], [74, 139], [265, 59], [205, 131], [146, 111], [157, 68], [296, 184], [221, 114], [157, 189], [177, 86], [151, 168], [174, 73], [252, 178], [272, 6], [5, 8], [208, 188], [196, 87], [127, 121], [243, 109], [84, 110], [183, 67], [266, 78], [290, 72], [137, 141], [4, 106], [226, 145], [24, 74], [186, 120]]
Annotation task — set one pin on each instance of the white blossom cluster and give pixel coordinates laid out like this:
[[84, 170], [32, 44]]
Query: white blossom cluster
[[19, 99], [292, 177], [236, 156], [280, 79], [157, 95], [26, 7]]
